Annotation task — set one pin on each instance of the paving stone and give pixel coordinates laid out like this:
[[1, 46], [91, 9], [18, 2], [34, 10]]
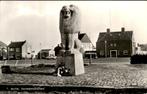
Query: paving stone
[[96, 75]]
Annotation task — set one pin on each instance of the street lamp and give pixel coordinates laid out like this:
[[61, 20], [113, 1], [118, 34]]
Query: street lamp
[[105, 48]]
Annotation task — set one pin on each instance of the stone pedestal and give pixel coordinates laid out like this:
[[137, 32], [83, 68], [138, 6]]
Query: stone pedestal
[[74, 62]]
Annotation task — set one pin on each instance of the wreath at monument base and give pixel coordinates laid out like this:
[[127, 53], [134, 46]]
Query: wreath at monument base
[[63, 71]]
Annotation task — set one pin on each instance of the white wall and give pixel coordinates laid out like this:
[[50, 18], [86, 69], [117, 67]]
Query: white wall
[[87, 46], [26, 48]]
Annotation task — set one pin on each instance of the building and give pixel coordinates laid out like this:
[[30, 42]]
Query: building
[[17, 50], [89, 48], [45, 54], [3, 51], [115, 44], [141, 49], [86, 42]]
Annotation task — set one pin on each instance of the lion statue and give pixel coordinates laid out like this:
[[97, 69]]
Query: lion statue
[[70, 28]]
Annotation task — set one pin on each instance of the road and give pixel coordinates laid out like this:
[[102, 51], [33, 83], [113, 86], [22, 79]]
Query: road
[[37, 61]]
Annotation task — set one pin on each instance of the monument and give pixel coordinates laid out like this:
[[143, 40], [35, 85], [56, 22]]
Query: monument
[[71, 54]]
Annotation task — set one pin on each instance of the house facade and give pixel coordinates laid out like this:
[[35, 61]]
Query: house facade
[[89, 48], [115, 44], [17, 50]]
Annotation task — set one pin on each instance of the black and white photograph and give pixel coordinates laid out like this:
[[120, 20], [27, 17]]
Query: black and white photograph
[[73, 47]]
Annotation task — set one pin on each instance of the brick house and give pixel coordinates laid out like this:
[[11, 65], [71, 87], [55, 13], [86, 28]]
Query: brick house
[[87, 45], [17, 50], [115, 44]]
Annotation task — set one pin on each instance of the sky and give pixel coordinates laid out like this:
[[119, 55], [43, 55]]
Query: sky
[[37, 22]]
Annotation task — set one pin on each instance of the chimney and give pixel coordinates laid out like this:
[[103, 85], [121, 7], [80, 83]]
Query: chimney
[[108, 30], [122, 29]]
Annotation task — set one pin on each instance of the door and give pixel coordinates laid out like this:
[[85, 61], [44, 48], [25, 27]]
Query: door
[[113, 53]]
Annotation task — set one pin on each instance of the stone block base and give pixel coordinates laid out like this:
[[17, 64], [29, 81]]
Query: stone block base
[[74, 62]]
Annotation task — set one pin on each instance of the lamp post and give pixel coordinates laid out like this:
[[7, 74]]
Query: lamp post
[[105, 48]]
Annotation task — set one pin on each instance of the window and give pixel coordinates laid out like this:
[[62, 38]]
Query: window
[[111, 44], [101, 53], [125, 52], [11, 49], [114, 44], [17, 49]]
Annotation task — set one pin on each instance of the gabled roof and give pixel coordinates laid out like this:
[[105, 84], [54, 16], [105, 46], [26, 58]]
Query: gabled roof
[[2, 44], [84, 38], [118, 35], [16, 44]]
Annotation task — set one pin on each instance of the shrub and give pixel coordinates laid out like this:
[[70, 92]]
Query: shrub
[[139, 59], [6, 69]]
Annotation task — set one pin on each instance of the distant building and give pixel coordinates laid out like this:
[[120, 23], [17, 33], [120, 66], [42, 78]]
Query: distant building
[[45, 53], [3, 51], [141, 49], [86, 42], [115, 44], [89, 48], [17, 50]]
